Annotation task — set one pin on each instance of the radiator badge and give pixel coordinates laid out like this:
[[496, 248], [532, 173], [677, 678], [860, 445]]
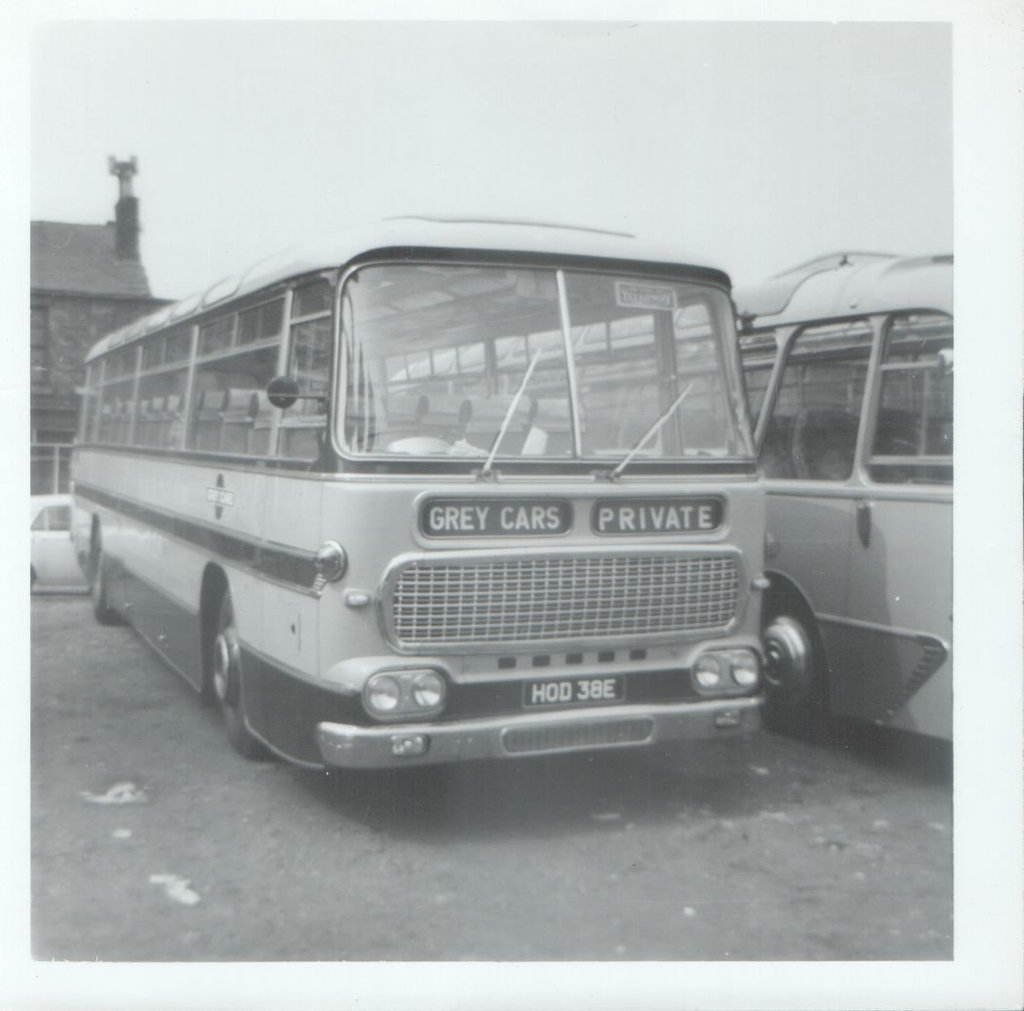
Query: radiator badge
[[495, 517], [656, 515]]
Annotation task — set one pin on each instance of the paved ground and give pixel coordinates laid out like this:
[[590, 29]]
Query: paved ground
[[770, 849]]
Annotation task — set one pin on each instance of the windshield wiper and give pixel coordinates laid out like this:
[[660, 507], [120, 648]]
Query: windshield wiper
[[642, 441], [485, 470]]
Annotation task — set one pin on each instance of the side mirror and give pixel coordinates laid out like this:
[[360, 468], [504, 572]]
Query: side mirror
[[944, 362], [283, 392]]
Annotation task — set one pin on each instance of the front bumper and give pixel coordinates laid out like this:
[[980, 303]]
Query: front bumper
[[514, 736]]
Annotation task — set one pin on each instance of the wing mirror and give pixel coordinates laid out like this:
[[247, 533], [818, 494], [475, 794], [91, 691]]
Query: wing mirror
[[283, 391]]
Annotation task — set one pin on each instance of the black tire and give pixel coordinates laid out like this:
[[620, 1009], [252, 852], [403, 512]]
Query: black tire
[[796, 702], [98, 588], [226, 682]]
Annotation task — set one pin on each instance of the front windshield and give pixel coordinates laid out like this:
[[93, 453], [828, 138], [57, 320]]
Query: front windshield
[[437, 362]]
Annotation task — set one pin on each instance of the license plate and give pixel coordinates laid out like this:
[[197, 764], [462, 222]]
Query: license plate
[[574, 691]]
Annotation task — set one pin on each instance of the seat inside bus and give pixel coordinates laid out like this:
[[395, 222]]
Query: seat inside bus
[[824, 442]]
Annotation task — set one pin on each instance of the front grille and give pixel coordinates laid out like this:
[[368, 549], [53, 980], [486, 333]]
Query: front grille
[[570, 736], [444, 601]]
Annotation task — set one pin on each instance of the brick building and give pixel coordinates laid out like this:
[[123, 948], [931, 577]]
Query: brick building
[[86, 281]]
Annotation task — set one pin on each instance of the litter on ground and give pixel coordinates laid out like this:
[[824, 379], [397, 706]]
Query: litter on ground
[[119, 793], [178, 889]]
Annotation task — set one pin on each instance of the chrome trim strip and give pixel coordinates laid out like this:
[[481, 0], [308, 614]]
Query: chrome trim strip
[[267, 560], [805, 488]]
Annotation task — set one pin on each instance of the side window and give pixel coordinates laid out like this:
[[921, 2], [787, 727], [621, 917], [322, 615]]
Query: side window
[[117, 398], [237, 358], [159, 420], [913, 428], [304, 426], [812, 432], [757, 355]]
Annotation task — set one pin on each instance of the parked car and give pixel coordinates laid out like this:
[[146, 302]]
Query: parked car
[[54, 562]]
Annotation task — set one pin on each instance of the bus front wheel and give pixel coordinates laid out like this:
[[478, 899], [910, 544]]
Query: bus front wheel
[[226, 681], [795, 701]]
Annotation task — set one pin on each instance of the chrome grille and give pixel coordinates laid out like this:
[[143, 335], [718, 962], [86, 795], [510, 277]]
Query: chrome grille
[[439, 601], [570, 736]]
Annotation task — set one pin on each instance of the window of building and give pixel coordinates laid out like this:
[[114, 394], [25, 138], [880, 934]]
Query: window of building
[[40, 346]]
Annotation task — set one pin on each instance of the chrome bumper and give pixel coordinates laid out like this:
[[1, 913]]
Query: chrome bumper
[[393, 746]]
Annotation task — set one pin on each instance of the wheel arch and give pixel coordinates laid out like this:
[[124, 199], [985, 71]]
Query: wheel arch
[[784, 596]]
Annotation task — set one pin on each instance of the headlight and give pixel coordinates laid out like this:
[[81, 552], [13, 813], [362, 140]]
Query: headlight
[[707, 672], [383, 694], [746, 669], [400, 693], [729, 671], [428, 689]]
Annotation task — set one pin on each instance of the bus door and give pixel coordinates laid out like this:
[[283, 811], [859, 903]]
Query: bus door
[[898, 635], [808, 446]]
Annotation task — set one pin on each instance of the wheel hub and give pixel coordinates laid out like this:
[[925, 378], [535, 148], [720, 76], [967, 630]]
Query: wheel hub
[[788, 653], [225, 666]]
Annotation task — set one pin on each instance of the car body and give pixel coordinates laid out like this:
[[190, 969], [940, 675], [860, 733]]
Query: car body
[[54, 562]]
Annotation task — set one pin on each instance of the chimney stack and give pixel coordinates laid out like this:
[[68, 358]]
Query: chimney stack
[[126, 212]]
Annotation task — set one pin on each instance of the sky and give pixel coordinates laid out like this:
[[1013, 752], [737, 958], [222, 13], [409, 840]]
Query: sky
[[751, 147]]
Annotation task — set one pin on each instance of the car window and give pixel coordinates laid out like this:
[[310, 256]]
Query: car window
[[58, 517], [55, 517]]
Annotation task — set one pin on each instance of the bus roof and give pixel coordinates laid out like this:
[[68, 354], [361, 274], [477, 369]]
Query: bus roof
[[848, 284], [408, 233]]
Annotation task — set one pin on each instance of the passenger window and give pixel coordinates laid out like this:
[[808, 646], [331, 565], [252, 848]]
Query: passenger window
[[913, 428], [216, 335], [812, 432], [117, 405], [227, 402], [159, 418], [757, 354], [261, 322], [303, 427]]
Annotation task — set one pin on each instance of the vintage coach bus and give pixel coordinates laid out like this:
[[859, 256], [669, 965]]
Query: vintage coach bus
[[849, 368], [436, 491]]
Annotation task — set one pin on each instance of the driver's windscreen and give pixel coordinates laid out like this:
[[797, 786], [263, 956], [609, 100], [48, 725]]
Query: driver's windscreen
[[454, 360], [435, 356]]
